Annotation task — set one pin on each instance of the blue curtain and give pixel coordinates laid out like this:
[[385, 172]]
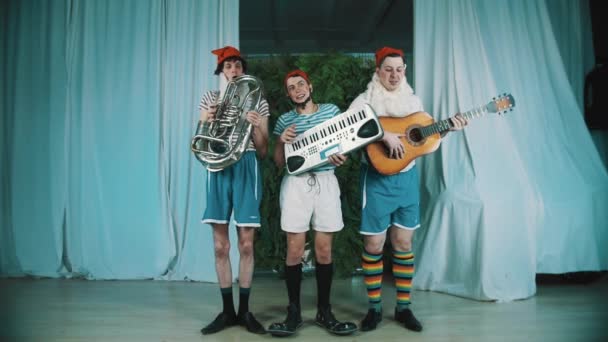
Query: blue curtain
[[99, 103], [99, 100], [515, 195]]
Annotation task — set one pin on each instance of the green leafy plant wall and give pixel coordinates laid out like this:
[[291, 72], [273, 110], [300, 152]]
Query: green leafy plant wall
[[337, 79]]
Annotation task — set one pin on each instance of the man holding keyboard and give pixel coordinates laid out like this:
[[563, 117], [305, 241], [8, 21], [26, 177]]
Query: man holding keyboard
[[311, 199]]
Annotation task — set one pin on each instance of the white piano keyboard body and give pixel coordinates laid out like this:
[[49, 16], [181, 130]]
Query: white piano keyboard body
[[343, 133]]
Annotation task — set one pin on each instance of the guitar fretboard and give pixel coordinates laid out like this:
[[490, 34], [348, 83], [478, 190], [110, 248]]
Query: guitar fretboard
[[444, 125]]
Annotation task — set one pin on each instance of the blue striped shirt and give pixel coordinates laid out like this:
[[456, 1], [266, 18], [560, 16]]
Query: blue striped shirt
[[305, 122]]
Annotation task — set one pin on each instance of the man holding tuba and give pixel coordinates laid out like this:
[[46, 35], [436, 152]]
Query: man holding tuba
[[235, 187]]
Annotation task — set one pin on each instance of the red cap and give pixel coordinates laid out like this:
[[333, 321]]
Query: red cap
[[385, 51], [294, 73], [226, 52]]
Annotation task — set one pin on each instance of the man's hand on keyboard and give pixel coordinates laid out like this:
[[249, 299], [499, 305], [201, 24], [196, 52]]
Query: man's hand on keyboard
[[337, 159], [288, 135]]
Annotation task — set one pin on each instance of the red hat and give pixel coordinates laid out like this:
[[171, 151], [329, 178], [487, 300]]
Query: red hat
[[295, 73], [385, 51], [226, 52]]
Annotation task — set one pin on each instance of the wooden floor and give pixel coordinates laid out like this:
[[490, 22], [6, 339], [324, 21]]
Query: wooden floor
[[81, 310]]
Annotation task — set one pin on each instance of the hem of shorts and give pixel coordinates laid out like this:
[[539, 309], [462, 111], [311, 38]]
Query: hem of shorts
[[303, 230], [254, 225], [332, 230], [372, 233], [384, 231], [211, 221], [406, 228]]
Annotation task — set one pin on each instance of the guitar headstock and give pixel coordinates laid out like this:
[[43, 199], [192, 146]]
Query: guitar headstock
[[501, 104]]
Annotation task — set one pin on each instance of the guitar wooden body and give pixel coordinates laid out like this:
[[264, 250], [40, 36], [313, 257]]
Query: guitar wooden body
[[414, 145], [420, 134]]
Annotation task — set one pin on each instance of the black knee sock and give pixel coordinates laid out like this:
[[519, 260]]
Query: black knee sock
[[293, 279], [244, 300], [324, 275], [227, 300]]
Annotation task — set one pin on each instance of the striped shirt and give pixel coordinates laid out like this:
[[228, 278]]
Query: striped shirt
[[212, 97], [305, 122]]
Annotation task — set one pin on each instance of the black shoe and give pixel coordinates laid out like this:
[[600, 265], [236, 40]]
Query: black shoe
[[222, 321], [289, 326], [371, 320], [325, 318], [407, 318], [250, 323]]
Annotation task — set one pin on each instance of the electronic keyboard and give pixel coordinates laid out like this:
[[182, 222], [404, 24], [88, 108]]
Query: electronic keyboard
[[343, 133]]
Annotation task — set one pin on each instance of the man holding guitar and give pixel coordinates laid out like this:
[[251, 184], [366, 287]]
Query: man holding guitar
[[390, 203]]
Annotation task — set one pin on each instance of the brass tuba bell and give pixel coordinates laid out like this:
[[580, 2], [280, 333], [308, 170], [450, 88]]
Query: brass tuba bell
[[221, 142]]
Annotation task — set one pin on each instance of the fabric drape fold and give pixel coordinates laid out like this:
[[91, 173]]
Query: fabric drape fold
[[99, 106], [509, 196]]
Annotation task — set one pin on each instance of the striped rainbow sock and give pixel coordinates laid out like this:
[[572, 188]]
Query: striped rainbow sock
[[403, 271], [372, 271]]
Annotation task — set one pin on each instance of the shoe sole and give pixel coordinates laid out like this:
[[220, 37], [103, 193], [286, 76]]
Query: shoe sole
[[339, 333], [408, 328], [281, 333], [284, 333], [253, 331], [374, 328]]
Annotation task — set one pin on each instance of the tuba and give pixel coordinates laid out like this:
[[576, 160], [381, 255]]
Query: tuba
[[221, 142]]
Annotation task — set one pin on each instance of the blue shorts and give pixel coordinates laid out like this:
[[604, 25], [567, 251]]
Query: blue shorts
[[389, 200], [237, 187]]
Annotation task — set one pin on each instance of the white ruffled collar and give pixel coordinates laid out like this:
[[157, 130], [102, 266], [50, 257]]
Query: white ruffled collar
[[398, 103]]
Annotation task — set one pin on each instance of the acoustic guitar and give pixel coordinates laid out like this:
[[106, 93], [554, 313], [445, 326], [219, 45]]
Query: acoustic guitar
[[421, 135]]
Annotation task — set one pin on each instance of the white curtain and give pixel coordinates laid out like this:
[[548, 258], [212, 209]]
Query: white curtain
[[515, 195], [99, 103], [571, 24]]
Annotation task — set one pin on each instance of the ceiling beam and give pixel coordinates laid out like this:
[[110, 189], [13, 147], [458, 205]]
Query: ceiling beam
[[329, 21], [380, 11], [278, 21]]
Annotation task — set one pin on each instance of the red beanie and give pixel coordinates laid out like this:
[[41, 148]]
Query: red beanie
[[225, 52], [385, 51], [294, 73]]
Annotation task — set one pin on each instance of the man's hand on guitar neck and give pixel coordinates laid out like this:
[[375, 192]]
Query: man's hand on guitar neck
[[393, 145], [459, 122]]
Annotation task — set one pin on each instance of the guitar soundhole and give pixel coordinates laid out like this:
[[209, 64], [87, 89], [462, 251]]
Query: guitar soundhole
[[415, 136]]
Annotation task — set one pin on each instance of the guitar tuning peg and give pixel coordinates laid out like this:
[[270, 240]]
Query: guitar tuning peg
[[505, 94]]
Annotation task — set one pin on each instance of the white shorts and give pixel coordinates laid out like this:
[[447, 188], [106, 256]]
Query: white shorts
[[311, 199]]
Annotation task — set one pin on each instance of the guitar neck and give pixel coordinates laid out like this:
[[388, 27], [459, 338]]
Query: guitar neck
[[444, 125]]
